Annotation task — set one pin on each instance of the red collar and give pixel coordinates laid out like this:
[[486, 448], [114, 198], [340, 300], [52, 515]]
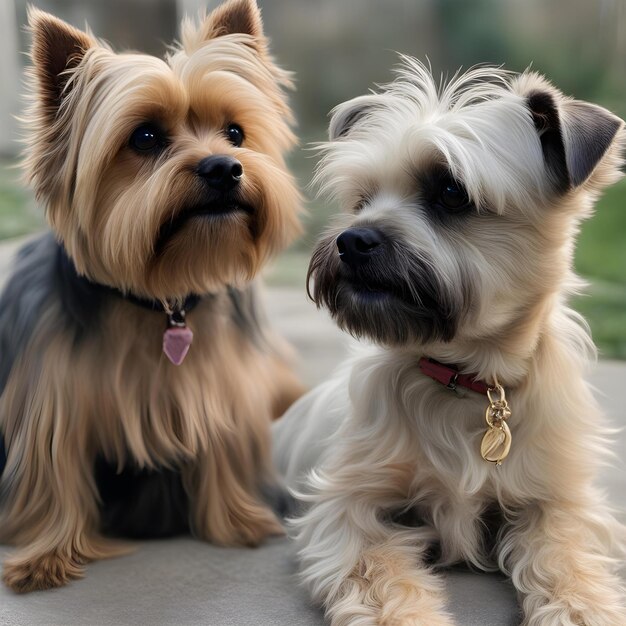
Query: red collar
[[451, 377]]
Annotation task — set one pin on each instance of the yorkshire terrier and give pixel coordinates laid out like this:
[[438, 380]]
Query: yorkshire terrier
[[138, 375], [468, 423]]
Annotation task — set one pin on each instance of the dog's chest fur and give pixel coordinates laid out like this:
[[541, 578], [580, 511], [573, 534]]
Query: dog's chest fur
[[453, 488], [160, 411], [94, 365], [436, 434]]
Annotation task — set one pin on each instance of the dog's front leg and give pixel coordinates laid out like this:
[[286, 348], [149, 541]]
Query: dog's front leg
[[556, 554], [223, 485], [361, 567], [50, 513]]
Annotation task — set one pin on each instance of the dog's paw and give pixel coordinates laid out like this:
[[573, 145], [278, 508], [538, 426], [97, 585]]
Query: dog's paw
[[419, 619], [248, 526], [261, 525], [364, 616], [561, 615], [35, 573], [362, 602]]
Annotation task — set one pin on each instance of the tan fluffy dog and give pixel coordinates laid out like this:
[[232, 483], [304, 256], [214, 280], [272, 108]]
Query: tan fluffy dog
[[166, 190]]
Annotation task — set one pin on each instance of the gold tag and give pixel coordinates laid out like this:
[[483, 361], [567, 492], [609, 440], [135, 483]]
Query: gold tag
[[496, 442]]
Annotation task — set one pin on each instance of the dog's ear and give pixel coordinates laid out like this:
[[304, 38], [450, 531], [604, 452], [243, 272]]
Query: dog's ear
[[345, 115], [56, 48], [235, 17], [574, 135], [588, 131]]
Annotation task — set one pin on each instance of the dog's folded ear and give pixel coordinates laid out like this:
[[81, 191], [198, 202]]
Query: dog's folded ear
[[574, 135], [345, 115], [56, 48], [588, 131]]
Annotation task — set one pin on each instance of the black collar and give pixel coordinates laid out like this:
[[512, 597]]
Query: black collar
[[187, 305], [79, 288]]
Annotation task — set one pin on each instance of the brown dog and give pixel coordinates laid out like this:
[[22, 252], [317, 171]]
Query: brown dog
[[138, 377]]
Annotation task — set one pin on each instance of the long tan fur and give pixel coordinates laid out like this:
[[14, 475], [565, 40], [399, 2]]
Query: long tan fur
[[108, 391]]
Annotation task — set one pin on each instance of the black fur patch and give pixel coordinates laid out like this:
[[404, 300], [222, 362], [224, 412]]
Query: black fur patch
[[547, 122], [3, 455], [82, 300], [393, 299], [492, 520], [28, 291], [247, 315], [277, 496], [141, 504]]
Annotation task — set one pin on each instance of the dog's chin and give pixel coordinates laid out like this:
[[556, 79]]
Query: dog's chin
[[366, 292], [380, 314], [215, 214], [204, 254]]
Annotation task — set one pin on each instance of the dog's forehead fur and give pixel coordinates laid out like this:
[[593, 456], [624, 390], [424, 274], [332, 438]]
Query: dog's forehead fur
[[478, 125]]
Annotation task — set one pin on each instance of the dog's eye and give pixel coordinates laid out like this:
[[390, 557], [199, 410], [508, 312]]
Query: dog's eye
[[234, 134], [452, 195], [360, 204], [147, 138]]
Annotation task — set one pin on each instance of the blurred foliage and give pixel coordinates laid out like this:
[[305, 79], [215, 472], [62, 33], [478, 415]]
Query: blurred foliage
[[601, 258], [604, 307], [18, 212], [602, 244]]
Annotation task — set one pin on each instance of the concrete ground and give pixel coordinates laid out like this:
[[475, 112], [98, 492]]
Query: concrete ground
[[183, 581]]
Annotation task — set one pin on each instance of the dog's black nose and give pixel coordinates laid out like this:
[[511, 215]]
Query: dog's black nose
[[220, 171], [356, 245]]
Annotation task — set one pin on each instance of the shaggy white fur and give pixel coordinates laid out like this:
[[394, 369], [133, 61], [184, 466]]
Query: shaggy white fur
[[380, 438]]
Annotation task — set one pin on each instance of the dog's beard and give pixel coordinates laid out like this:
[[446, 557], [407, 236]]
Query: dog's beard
[[212, 239], [394, 299], [213, 209]]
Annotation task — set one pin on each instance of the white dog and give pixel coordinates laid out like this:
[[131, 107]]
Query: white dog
[[454, 255]]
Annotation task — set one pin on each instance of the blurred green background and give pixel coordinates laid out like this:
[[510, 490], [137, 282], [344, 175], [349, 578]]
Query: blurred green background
[[341, 48]]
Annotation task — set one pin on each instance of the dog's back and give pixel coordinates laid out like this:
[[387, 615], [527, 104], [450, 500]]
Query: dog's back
[[31, 286]]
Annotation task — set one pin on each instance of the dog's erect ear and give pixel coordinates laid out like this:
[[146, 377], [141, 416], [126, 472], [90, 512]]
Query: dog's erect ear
[[56, 48], [574, 135], [235, 17], [345, 115]]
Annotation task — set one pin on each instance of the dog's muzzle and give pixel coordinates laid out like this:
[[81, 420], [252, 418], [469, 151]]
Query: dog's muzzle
[[374, 285]]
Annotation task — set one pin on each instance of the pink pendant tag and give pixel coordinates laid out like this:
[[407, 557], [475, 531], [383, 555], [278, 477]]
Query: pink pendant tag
[[176, 342]]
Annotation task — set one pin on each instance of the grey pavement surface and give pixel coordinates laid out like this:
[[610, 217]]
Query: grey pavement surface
[[186, 582]]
